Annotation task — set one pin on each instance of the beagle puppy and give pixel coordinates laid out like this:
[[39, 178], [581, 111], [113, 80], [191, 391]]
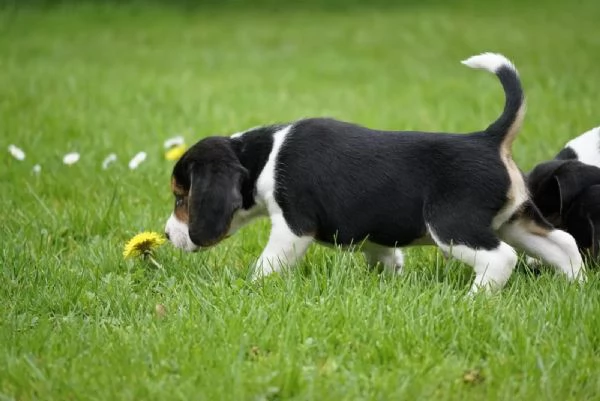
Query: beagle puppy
[[334, 182], [585, 148], [567, 191]]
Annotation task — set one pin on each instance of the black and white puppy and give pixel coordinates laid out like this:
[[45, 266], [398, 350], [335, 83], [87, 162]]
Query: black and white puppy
[[338, 183], [585, 148], [567, 190]]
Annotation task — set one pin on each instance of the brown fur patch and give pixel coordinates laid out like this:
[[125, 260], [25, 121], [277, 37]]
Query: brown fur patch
[[181, 201], [514, 129], [525, 218], [517, 191], [182, 211], [535, 228], [517, 183], [177, 188]]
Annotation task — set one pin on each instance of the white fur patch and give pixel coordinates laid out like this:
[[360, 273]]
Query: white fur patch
[[179, 234], [587, 147], [284, 247], [558, 248], [572, 264], [391, 259], [492, 267], [491, 62], [265, 184]]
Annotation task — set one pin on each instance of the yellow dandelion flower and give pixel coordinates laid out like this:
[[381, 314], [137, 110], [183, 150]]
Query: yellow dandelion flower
[[175, 152], [142, 244]]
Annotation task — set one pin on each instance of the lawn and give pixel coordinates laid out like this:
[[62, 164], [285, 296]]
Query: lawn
[[77, 322]]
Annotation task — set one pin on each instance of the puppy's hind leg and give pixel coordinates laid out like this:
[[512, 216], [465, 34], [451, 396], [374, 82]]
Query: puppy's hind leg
[[284, 248], [530, 232], [477, 246], [390, 259]]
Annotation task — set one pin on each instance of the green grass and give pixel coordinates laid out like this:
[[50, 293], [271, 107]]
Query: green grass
[[77, 322]]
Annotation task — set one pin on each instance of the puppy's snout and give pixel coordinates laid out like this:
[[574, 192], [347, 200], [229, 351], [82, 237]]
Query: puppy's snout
[[177, 232]]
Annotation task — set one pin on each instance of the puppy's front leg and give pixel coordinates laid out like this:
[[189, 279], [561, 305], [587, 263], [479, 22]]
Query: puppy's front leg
[[284, 248]]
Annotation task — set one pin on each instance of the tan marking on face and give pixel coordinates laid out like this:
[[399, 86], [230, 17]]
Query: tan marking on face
[[177, 188], [181, 202]]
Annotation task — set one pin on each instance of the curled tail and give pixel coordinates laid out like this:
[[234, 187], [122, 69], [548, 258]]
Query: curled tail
[[506, 127]]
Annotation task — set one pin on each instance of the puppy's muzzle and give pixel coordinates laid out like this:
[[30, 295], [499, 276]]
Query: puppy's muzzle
[[178, 233]]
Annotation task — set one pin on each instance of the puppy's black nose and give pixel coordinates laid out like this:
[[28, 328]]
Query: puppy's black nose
[[167, 235]]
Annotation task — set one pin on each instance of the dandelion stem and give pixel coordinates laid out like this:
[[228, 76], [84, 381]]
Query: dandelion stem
[[148, 255]]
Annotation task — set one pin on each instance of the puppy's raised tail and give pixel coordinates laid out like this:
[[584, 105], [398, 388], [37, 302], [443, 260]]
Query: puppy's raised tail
[[506, 127]]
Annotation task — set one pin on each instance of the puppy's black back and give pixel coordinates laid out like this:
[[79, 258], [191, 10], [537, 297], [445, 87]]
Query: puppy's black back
[[350, 182]]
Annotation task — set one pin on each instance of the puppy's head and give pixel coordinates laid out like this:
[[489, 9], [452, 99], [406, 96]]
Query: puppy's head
[[206, 183], [554, 186]]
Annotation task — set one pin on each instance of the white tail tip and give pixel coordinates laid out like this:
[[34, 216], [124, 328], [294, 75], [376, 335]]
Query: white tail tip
[[489, 61]]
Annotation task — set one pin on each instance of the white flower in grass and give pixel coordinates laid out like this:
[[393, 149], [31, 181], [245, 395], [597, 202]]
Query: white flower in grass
[[137, 160], [37, 169], [175, 141], [71, 158], [111, 158], [16, 152]]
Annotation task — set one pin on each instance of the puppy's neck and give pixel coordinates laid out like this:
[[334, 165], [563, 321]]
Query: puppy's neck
[[252, 149]]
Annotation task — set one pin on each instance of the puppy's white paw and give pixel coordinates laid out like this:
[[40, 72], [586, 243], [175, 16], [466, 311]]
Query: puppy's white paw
[[531, 261]]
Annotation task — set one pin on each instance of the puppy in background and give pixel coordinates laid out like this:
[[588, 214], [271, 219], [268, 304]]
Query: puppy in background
[[585, 148], [566, 190]]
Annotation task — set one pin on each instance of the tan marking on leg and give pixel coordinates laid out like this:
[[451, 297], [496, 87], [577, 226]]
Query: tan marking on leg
[[182, 210], [534, 228]]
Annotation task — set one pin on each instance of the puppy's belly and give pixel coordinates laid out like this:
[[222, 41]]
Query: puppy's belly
[[386, 236]]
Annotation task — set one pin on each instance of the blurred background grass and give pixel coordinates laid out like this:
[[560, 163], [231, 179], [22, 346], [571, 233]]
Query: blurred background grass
[[100, 77], [112, 76]]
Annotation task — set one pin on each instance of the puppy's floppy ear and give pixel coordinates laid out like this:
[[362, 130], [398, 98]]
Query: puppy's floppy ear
[[573, 178], [554, 185], [545, 189], [214, 196]]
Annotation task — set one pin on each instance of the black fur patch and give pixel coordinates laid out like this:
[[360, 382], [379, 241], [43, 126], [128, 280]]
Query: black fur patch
[[344, 183], [253, 150], [566, 153], [567, 192]]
